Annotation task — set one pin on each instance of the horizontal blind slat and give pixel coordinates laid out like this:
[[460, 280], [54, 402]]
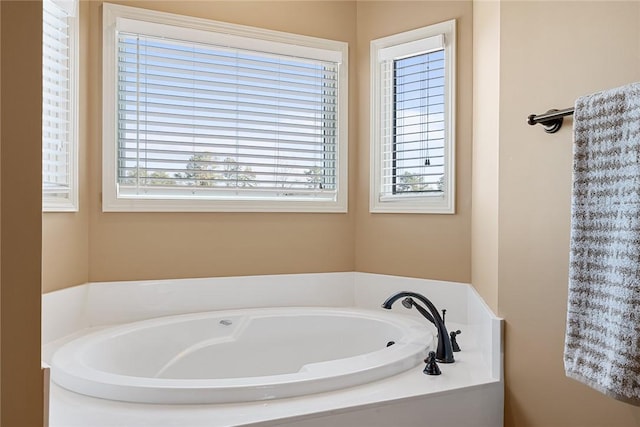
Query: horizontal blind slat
[[206, 97], [174, 166], [180, 119], [157, 107], [241, 107], [243, 140], [203, 131], [284, 173], [149, 154]]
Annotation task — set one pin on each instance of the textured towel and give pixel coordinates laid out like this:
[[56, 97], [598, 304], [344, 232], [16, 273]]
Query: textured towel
[[602, 346]]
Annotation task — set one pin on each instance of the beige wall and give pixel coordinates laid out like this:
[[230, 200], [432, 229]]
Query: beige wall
[[548, 57], [486, 119], [20, 198], [429, 246]]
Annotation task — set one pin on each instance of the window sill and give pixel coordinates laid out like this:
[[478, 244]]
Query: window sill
[[191, 205], [59, 206], [413, 205]]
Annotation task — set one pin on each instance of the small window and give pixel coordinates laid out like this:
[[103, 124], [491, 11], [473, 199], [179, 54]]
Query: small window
[[59, 105], [412, 144], [207, 116]]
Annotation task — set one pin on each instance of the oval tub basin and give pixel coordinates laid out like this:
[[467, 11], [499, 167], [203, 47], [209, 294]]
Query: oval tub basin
[[241, 355]]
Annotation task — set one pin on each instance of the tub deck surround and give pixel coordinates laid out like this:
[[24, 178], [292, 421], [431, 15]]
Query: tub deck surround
[[469, 391]]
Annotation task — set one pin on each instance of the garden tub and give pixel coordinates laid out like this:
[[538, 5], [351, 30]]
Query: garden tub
[[241, 355]]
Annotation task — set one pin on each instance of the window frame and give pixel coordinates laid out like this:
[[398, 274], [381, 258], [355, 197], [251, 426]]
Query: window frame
[[70, 203], [115, 17], [408, 44]]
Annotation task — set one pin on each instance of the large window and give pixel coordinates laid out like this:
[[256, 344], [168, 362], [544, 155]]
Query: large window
[[412, 142], [206, 116], [59, 105]]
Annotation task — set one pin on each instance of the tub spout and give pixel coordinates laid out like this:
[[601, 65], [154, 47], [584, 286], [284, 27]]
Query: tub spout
[[444, 352]]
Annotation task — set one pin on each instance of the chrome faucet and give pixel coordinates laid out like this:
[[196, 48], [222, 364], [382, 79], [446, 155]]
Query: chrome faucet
[[444, 352]]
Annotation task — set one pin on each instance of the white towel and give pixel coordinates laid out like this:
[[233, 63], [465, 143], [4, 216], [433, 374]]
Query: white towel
[[602, 345]]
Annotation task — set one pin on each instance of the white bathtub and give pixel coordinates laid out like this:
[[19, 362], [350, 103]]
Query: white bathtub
[[241, 355]]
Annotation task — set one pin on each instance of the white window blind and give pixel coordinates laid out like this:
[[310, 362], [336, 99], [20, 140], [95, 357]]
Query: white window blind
[[412, 118], [413, 128], [210, 121], [58, 105]]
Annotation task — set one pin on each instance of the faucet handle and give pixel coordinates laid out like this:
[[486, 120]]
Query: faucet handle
[[454, 343], [432, 367]]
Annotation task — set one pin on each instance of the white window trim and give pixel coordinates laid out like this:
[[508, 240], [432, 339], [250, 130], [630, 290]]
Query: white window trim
[[116, 16], [70, 204], [402, 44]]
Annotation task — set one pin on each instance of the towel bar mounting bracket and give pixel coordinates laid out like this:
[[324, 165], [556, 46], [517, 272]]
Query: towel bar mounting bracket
[[551, 120], [550, 126]]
